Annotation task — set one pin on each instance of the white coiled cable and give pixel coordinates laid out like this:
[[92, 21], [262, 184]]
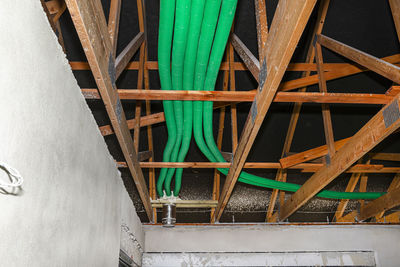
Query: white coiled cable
[[15, 177]]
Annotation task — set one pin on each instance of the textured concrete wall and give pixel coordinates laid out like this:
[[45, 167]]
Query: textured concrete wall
[[132, 234], [71, 206], [382, 240], [287, 259]]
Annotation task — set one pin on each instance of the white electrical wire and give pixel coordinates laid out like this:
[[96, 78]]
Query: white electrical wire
[[15, 177]]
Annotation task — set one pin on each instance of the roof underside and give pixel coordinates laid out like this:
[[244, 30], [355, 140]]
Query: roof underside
[[367, 26]]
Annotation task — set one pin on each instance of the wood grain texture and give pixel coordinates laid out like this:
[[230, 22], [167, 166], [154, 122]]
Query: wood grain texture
[[88, 18], [251, 62], [304, 167], [363, 141], [384, 203], [388, 70], [284, 35], [281, 175], [113, 23], [245, 96], [125, 56]]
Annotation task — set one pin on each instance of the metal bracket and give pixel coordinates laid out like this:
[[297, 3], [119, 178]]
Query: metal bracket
[[391, 114], [227, 156], [118, 110], [112, 71], [254, 111], [314, 42], [328, 159], [262, 76]]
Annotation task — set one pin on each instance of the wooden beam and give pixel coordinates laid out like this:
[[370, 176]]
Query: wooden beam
[[147, 120], [384, 203], [146, 75], [310, 154], [385, 122], [144, 121], [126, 55], [321, 151], [363, 186], [393, 185], [246, 96], [288, 24], [88, 18], [340, 73], [281, 175], [185, 203], [335, 68], [326, 113], [386, 156], [54, 6], [349, 217], [262, 25], [304, 167], [55, 25], [48, 14], [395, 7], [377, 65], [280, 97], [232, 88], [57, 16], [390, 218], [140, 80], [217, 175], [145, 155], [355, 177], [245, 54], [113, 24]]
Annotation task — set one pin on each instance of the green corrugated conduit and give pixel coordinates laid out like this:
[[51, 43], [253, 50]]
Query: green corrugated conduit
[[167, 13], [182, 18], [205, 80], [196, 18], [208, 27]]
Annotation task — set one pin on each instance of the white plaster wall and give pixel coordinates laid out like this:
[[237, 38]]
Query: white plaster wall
[[72, 203], [132, 234], [384, 241]]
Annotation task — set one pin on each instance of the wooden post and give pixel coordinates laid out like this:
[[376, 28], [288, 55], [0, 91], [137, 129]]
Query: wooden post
[[88, 18], [286, 30], [281, 174], [262, 25], [142, 55], [232, 83], [217, 176], [395, 7], [113, 24], [326, 113]]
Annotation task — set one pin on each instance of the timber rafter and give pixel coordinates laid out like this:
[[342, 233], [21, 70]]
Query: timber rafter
[[274, 55]]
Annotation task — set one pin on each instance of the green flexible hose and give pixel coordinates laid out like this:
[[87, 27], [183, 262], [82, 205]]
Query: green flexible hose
[[224, 25], [167, 13], [196, 18], [221, 37], [214, 155], [182, 17], [208, 27]]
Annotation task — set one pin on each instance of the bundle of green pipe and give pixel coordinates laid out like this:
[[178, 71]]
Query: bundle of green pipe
[[198, 31]]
